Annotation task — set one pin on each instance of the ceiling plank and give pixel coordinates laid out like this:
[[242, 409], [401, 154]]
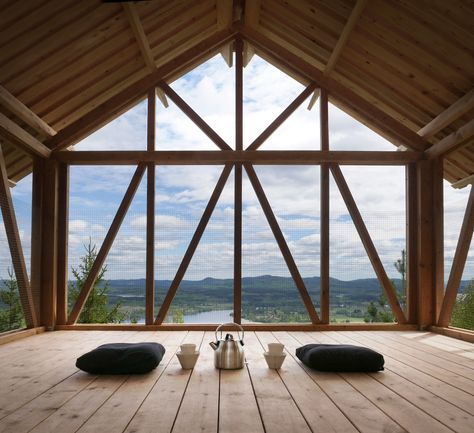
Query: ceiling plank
[[21, 138], [397, 133], [251, 19], [106, 111], [451, 141], [464, 182], [225, 11], [448, 116], [142, 41], [24, 113], [341, 43]]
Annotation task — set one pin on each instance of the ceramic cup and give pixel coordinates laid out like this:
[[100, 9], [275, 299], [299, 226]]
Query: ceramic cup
[[275, 348], [188, 348]]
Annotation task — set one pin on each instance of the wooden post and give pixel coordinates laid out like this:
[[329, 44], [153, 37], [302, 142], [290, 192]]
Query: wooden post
[[412, 243], [49, 251], [238, 182], [36, 233], [426, 298], [324, 211], [62, 244], [438, 234], [16, 250], [150, 220]]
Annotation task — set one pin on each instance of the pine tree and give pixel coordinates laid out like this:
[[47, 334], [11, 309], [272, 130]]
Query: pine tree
[[463, 313], [96, 309], [11, 317]]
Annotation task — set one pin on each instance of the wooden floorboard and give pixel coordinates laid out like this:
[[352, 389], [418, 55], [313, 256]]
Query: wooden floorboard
[[427, 386]]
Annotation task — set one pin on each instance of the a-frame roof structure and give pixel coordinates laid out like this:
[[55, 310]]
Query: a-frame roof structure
[[404, 68]]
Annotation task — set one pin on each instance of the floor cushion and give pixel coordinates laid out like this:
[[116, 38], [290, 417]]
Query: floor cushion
[[340, 357], [122, 358]]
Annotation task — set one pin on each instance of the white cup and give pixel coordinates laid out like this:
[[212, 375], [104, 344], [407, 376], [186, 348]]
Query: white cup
[[188, 348], [275, 348]]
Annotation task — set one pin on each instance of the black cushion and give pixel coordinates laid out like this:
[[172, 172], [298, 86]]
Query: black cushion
[[340, 357], [122, 358]]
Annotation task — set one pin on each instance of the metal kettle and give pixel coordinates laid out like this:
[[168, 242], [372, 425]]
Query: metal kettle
[[228, 352]]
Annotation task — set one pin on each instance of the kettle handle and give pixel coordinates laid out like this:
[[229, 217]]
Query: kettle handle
[[227, 324]]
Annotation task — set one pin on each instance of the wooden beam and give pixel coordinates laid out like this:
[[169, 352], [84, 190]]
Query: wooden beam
[[460, 334], [150, 218], [219, 157], [340, 44], [198, 121], [448, 116], [344, 36], [438, 234], [20, 110], [367, 242], [143, 44], [227, 54], [426, 292], [248, 53], [287, 112], [449, 143], [107, 244], [324, 211], [277, 233], [193, 244], [464, 182], [11, 131], [16, 250], [411, 200], [106, 111], [62, 244], [459, 261], [398, 133]]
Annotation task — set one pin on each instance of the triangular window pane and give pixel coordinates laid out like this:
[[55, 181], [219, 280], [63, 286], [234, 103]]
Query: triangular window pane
[[209, 90], [269, 294], [263, 100], [347, 133], [127, 132]]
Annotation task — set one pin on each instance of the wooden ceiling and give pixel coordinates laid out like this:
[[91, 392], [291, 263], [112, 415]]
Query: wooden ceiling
[[405, 68]]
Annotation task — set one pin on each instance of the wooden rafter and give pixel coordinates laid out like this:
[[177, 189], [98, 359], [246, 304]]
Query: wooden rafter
[[21, 138], [252, 19], [16, 250], [20, 110], [448, 116], [106, 111], [367, 242], [398, 133], [150, 218], [340, 44], [277, 233], [193, 244], [282, 117], [198, 120], [447, 144], [210, 157], [239, 76], [464, 182], [107, 244], [143, 44], [459, 261], [324, 211]]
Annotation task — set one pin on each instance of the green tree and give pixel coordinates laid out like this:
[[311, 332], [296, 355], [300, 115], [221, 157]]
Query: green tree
[[463, 312], [96, 308], [11, 317], [401, 266]]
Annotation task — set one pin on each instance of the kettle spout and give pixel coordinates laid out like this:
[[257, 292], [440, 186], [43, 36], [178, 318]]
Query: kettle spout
[[213, 345]]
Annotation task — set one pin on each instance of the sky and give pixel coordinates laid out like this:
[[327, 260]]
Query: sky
[[183, 191]]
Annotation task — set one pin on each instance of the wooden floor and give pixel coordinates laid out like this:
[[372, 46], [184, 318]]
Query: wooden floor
[[427, 386]]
